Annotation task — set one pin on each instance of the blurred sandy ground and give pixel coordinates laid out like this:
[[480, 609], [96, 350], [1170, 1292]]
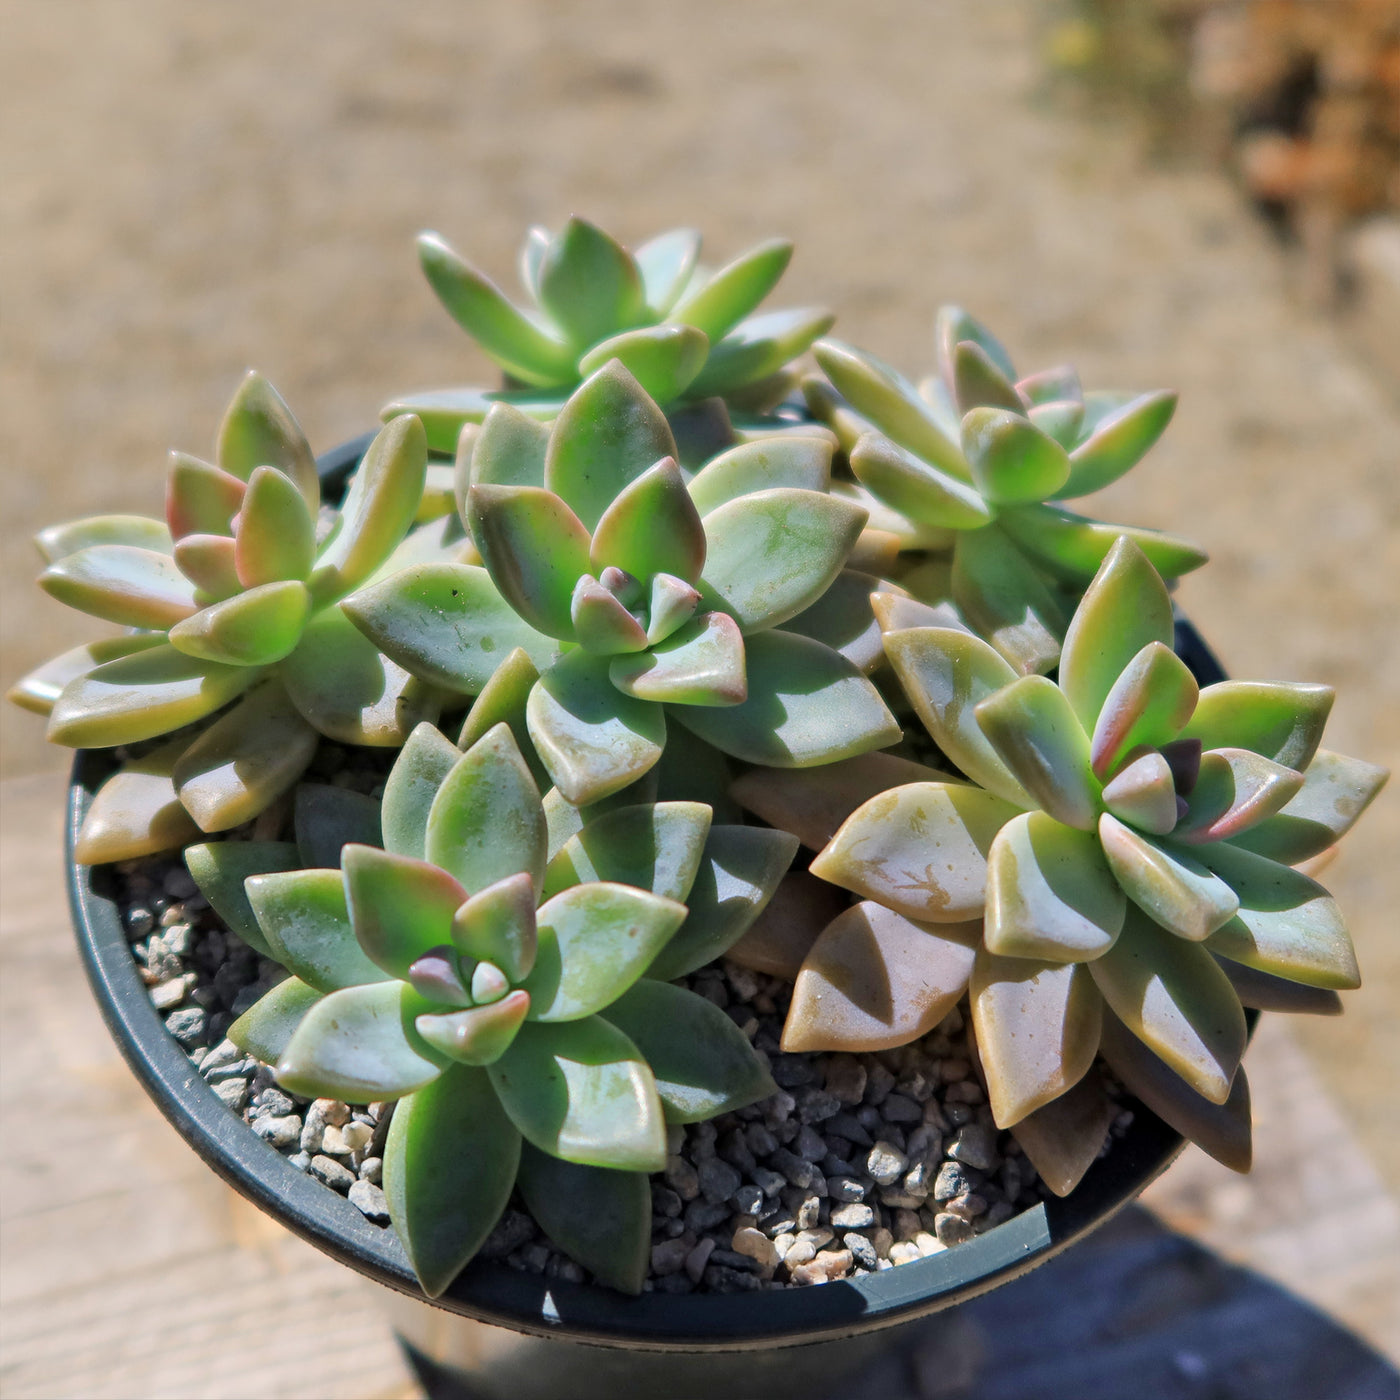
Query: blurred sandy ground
[[191, 187]]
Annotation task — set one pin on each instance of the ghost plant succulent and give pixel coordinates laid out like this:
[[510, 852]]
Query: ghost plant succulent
[[646, 599], [232, 599], [510, 995], [974, 461], [681, 330], [1112, 872]]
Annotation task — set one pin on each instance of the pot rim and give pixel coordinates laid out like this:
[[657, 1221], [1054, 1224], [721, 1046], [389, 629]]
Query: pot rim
[[494, 1293]]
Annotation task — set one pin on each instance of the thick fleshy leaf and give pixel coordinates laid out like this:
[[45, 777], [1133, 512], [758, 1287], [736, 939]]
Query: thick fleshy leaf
[[601, 624], [1287, 924], [245, 760], [588, 284], [1037, 1028], [703, 1063], [139, 531], [1056, 385], [486, 821], [1143, 794], [219, 869], [1336, 790], [400, 908], [1063, 1139], [509, 450], [328, 818], [599, 1218], [773, 553], [1148, 703], [1050, 893], [887, 399], [606, 435], [651, 527], [276, 536], [806, 705], [1235, 790], [1013, 462], [121, 583], [778, 941], [305, 921], [497, 925], [946, 673], [801, 463], [343, 686], [210, 562], [1118, 443], [593, 739], [445, 623], [978, 382], [920, 849], [666, 263], [199, 498], [953, 326], [259, 430], [425, 761], [450, 1164], [515, 342], [266, 1028], [671, 605], [136, 812], [656, 847], [915, 489], [1265, 992], [1124, 610], [719, 302], [701, 664], [1167, 883], [359, 1044], [255, 628], [1060, 420], [595, 940], [477, 1035], [1035, 733], [1220, 1129], [138, 697], [535, 549], [1005, 600], [874, 980], [1281, 720], [740, 868], [40, 689], [843, 618], [758, 348], [582, 1091], [664, 360], [379, 509], [1073, 546], [1173, 996], [813, 802]]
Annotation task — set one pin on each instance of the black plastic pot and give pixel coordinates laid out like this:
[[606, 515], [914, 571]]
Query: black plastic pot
[[693, 1332]]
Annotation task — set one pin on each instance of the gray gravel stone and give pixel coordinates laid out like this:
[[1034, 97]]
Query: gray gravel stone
[[845, 1188], [670, 1256], [372, 1170], [853, 1216], [188, 1025], [333, 1173], [233, 1092], [899, 1109], [282, 1132], [768, 1181], [797, 1169], [369, 1200], [816, 1105], [886, 1163], [705, 1215], [682, 1178], [953, 1180], [748, 1200], [845, 1078], [273, 1103], [718, 1180], [862, 1250], [952, 1229], [976, 1144]]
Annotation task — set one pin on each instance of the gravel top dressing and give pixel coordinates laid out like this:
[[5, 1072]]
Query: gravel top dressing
[[858, 1163]]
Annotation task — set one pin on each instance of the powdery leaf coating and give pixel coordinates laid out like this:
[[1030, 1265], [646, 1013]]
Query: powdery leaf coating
[[920, 849], [1013, 462], [40, 689], [401, 908], [1279, 719], [276, 536], [666, 263], [259, 430], [255, 628], [497, 925], [304, 919], [1234, 790], [588, 283], [664, 360], [652, 526], [1144, 794], [909, 485], [581, 1091], [507, 451], [1037, 1030], [121, 583], [979, 382], [800, 463], [57, 542], [702, 663], [1119, 441], [874, 980], [266, 1028], [425, 760], [652, 846], [1149, 703]]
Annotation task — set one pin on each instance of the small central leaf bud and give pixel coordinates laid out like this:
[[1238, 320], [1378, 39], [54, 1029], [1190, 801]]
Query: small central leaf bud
[[436, 975], [488, 984], [626, 589]]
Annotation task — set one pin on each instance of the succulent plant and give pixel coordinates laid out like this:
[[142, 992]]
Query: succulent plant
[[509, 995], [642, 598], [680, 329], [232, 600], [975, 460], [1118, 851]]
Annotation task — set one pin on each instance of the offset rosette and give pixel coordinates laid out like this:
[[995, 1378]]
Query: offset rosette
[[973, 463], [1113, 872], [231, 599], [681, 330], [648, 597], [510, 996]]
